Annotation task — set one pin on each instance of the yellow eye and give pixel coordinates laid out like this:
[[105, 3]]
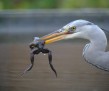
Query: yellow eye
[[74, 28]]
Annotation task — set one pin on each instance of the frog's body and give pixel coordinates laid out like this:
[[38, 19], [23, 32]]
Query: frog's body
[[37, 46]]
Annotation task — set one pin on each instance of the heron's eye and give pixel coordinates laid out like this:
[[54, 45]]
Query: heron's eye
[[73, 28]]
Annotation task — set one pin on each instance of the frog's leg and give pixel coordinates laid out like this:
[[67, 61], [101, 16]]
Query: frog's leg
[[33, 52], [50, 59]]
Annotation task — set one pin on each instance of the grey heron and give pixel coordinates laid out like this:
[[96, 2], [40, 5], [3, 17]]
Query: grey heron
[[95, 51]]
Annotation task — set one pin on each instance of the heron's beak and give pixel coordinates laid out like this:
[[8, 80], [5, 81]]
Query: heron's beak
[[55, 36]]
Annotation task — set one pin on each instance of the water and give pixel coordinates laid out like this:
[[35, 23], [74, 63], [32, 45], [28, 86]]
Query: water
[[74, 74]]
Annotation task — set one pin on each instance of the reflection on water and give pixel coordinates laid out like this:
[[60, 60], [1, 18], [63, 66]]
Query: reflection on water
[[74, 74]]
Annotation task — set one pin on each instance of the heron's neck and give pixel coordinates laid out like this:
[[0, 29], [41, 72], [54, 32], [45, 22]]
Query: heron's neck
[[98, 42], [94, 52]]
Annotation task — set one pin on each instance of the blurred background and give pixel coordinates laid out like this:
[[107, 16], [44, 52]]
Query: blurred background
[[22, 20]]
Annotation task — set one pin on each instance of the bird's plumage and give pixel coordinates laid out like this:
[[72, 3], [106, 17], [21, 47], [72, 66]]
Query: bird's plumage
[[94, 52]]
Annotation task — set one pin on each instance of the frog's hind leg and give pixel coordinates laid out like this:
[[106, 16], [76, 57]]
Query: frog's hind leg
[[50, 62], [33, 52], [50, 59]]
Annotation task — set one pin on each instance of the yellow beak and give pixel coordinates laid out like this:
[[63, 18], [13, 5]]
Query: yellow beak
[[53, 37]]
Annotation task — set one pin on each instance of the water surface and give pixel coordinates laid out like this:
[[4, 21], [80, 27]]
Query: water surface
[[74, 74]]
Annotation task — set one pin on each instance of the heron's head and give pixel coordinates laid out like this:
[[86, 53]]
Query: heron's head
[[75, 29]]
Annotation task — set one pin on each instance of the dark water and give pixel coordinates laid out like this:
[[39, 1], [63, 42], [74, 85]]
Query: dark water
[[74, 74]]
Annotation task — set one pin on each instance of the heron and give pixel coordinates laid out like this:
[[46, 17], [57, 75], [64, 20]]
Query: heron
[[95, 51]]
